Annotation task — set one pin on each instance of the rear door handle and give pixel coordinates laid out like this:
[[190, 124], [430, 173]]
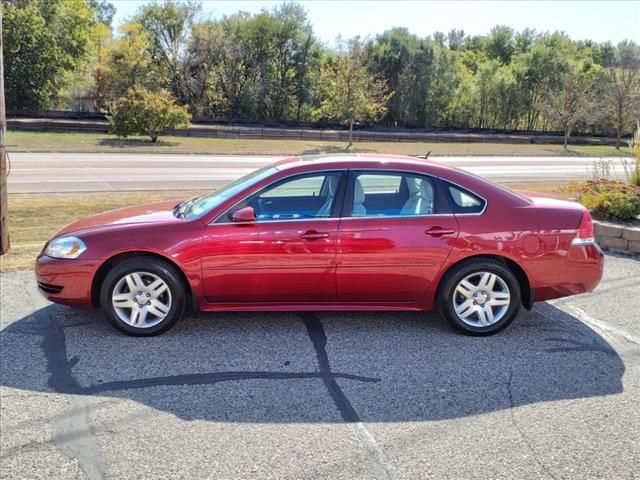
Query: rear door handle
[[313, 235], [437, 231]]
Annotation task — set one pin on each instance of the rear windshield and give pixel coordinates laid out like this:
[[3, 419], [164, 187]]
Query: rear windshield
[[499, 186]]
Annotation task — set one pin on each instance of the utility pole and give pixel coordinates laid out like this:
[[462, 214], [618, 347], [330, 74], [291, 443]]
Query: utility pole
[[4, 214]]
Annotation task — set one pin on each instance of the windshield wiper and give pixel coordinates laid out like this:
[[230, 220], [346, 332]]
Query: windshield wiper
[[181, 209], [177, 210]]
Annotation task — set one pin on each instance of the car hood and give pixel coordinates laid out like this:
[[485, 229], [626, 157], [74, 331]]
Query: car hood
[[151, 213]]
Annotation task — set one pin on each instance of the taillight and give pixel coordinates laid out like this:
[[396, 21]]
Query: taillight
[[585, 234]]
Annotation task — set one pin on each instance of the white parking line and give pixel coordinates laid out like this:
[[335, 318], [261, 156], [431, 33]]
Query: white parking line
[[383, 470]]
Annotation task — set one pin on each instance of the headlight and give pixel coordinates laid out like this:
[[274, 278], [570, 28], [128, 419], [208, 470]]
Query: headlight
[[65, 247]]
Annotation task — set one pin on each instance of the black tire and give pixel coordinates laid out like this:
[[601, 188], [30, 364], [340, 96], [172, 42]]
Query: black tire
[[153, 266], [463, 270]]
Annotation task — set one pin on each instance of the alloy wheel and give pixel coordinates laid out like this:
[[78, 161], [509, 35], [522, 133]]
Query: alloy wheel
[[141, 299], [481, 299]]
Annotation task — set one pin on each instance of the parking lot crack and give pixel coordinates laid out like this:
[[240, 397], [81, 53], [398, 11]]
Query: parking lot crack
[[73, 432], [520, 430], [382, 468]]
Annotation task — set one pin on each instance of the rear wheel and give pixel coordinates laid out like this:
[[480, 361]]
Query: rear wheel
[[480, 297], [143, 296]]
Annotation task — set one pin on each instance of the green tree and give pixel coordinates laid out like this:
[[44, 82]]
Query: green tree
[[29, 52], [306, 63], [104, 11], [348, 91], [44, 44], [500, 44], [443, 93], [168, 27], [147, 113], [405, 62], [291, 45], [102, 37], [253, 66], [238, 73], [622, 87], [564, 108], [537, 72], [128, 63], [204, 69]]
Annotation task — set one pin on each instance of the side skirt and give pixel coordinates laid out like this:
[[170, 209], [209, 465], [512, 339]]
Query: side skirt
[[307, 307]]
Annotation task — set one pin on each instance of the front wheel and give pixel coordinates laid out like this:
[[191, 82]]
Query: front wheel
[[143, 296], [480, 297]]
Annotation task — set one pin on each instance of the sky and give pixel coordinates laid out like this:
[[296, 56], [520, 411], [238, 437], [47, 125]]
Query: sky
[[601, 21]]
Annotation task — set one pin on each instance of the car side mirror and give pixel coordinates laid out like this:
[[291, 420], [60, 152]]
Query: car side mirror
[[243, 215]]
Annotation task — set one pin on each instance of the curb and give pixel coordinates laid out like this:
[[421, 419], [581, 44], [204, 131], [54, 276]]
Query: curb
[[617, 238]]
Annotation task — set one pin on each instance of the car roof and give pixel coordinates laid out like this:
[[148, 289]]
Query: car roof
[[479, 185], [355, 160]]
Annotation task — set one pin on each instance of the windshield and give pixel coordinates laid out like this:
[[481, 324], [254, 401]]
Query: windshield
[[207, 202]]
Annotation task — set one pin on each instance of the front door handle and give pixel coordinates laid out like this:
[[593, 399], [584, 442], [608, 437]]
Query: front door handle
[[313, 235], [438, 231]]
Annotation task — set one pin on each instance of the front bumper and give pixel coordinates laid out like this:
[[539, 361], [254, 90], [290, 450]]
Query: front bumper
[[65, 281]]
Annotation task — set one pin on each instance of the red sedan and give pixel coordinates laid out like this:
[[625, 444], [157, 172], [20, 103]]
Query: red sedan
[[366, 232]]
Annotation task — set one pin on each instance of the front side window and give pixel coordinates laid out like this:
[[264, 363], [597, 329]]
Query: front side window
[[392, 195], [309, 196]]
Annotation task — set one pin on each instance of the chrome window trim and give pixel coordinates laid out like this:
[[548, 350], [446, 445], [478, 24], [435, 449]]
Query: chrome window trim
[[380, 217], [278, 221], [365, 217], [319, 172]]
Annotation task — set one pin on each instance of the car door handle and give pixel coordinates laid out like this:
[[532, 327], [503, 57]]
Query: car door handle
[[437, 231], [313, 235]]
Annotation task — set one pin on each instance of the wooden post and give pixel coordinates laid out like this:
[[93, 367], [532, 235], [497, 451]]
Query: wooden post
[[4, 214]]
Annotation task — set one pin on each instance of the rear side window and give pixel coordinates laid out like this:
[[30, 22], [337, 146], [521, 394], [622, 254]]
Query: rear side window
[[392, 194], [464, 201]]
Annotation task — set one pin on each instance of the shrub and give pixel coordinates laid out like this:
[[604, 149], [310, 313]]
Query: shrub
[[147, 113], [607, 199]]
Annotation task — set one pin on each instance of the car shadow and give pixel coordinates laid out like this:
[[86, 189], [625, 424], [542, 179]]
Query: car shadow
[[313, 367]]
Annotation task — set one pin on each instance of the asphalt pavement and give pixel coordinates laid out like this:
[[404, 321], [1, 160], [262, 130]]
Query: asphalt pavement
[[79, 172], [323, 395]]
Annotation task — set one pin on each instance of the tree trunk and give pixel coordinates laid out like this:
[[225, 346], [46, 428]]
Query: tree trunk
[[619, 126], [4, 214], [154, 137], [566, 139], [350, 134]]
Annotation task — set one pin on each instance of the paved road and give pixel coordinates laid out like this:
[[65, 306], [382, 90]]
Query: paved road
[[324, 396], [67, 172]]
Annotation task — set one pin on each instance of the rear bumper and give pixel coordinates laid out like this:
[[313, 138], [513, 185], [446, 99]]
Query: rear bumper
[[580, 272], [65, 281]]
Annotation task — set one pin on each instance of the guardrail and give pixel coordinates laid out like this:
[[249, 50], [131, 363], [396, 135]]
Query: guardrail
[[229, 131]]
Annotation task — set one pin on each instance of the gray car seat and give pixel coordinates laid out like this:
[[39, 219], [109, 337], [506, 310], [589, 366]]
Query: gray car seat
[[331, 185], [358, 199], [420, 201]]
